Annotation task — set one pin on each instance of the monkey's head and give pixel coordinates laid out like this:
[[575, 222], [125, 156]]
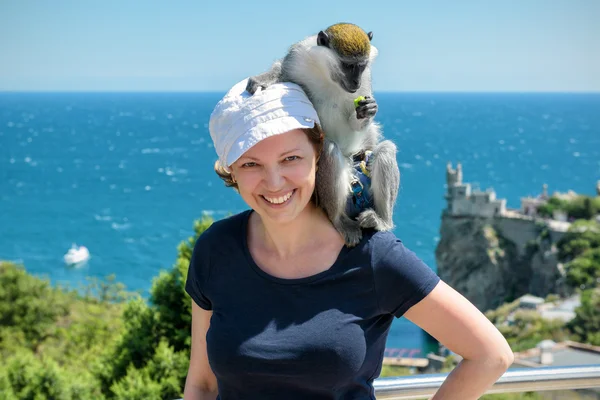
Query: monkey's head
[[352, 46]]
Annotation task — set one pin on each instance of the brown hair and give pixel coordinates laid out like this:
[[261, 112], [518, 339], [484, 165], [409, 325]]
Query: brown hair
[[314, 134]]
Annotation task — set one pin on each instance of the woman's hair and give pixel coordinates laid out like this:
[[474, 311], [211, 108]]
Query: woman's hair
[[314, 134]]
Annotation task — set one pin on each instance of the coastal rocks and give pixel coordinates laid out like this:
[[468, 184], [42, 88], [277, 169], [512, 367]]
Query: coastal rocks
[[493, 260]]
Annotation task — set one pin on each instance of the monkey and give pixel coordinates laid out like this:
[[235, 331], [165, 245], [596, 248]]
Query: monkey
[[333, 67]]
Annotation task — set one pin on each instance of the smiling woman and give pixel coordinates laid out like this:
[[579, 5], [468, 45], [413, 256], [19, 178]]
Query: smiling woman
[[282, 308]]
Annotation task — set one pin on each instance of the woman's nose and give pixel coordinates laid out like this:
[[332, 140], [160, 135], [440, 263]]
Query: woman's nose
[[274, 179]]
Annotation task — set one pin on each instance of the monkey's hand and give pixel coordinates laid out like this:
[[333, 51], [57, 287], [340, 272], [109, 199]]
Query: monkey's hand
[[367, 108], [265, 79], [254, 84]]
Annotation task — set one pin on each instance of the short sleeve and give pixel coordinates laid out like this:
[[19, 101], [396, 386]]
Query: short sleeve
[[199, 273], [401, 278]]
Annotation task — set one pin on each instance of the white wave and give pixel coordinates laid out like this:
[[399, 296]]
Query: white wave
[[120, 227], [150, 151]]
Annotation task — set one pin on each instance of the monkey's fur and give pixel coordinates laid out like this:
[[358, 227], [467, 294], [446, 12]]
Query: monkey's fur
[[334, 67]]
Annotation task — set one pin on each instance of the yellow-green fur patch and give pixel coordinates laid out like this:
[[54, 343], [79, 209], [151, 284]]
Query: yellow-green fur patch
[[349, 40]]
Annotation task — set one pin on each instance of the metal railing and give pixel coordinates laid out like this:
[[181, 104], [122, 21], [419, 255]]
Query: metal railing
[[513, 380]]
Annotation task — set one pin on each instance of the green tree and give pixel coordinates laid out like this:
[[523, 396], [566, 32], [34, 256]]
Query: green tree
[[582, 236], [163, 324], [586, 324], [584, 271], [168, 296], [28, 305]]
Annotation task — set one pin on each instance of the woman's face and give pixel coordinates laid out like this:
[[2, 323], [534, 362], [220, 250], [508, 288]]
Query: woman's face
[[276, 177]]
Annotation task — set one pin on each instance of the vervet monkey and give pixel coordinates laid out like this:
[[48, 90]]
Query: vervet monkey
[[334, 68]]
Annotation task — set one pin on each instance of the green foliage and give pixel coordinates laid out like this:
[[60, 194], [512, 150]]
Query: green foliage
[[581, 207], [29, 377], [586, 324], [136, 385], [166, 318], [168, 295], [28, 306], [582, 236], [106, 291], [524, 329], [394, 370], [528, 328], [584, 271], [100, 342], [164, 373]]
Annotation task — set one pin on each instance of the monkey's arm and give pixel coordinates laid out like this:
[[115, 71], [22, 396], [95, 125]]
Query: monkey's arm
[[332, 186], [265, 79], [385, 182]]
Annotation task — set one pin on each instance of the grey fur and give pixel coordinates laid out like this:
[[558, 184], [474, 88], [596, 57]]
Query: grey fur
[[332, 185], [348, 130], [385, 181]]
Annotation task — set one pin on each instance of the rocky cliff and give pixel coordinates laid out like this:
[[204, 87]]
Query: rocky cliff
[[492, 260]]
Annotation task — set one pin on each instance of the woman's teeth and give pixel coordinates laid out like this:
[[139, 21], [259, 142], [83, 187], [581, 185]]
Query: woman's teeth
[[279, 200]]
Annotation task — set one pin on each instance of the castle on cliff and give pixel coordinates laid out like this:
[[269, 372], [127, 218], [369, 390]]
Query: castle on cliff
[[462, 200]]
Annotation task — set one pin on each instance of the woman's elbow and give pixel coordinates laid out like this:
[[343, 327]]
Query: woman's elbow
[[506, 358], [501, 357]]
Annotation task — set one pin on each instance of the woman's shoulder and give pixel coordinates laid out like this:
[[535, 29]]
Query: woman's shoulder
[[377, 241], [387, 250]]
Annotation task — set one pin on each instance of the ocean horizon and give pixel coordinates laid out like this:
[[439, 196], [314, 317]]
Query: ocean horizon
[[127, 173]]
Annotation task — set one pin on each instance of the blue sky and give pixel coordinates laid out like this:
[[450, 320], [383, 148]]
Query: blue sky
[[424, 45]]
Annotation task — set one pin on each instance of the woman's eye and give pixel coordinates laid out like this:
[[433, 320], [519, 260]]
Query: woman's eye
[[248, 164], [291, 158]]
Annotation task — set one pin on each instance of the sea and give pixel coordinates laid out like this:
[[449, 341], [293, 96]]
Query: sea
[[126, 174]]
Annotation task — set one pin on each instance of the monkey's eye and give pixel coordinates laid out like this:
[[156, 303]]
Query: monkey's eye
[[346, 66]]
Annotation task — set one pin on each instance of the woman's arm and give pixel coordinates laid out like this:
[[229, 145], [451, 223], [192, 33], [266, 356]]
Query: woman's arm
[[456, 323], [201, 383]]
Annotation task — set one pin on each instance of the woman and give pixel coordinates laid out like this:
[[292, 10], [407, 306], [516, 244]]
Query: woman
[[281, 307]]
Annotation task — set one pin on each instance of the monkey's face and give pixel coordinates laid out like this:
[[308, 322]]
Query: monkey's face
[[350, 76], [276, 177]]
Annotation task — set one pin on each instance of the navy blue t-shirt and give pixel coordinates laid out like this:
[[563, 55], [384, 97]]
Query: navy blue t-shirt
[[319, 337]]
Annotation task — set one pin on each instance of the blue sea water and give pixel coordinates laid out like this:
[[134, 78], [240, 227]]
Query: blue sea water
[[126, 174]]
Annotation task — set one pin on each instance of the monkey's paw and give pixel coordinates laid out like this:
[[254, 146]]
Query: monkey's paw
[[253, 85], [367, 108], [350, 230], [369, 219]]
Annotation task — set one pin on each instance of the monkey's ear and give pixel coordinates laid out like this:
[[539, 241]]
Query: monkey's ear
[[370, 35], [323, 39]]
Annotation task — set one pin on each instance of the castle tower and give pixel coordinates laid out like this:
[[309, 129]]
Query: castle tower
[[452, 175], [598, 188], [545, 191]]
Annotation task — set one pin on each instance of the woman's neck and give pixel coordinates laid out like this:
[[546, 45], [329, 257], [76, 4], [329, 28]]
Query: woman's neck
[[289, 239]]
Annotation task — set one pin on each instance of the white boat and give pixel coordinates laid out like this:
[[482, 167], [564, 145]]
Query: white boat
[[76, 255]]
